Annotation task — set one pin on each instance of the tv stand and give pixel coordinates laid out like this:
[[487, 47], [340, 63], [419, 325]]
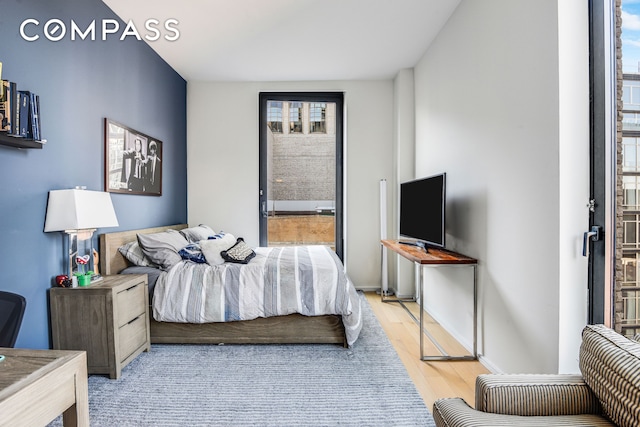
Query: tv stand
[[434, 257], [416, 243]]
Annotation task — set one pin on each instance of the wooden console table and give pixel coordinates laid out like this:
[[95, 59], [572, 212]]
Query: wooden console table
[[436, 258], [36, 386]]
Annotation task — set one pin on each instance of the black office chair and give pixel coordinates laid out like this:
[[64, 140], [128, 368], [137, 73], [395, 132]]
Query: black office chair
[[12, 308]]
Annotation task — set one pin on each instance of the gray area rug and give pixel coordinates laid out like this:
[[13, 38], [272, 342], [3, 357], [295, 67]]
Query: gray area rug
[[263, 385]]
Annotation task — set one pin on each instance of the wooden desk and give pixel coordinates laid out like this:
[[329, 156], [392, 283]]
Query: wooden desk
[[434, 258], [36, 386]]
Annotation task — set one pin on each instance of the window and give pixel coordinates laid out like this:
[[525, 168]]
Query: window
[[628, 290], [295, 117], [631, 120], [631, 102], [630, 233], [630, 154], [631, 94], [274, 116], [317, 117]]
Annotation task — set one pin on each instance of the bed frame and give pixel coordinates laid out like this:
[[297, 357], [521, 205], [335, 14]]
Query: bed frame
[[291, 329]]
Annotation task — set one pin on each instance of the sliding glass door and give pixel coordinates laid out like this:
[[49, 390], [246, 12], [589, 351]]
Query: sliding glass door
[[599, 239]]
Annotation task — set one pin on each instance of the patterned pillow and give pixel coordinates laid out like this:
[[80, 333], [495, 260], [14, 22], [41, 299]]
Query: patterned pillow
[[240, 252], [133, 253], [195, 234], [192, 252]]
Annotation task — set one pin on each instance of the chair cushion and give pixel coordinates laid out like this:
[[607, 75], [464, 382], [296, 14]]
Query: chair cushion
[[535, 395], [610, 365], [457, 413]]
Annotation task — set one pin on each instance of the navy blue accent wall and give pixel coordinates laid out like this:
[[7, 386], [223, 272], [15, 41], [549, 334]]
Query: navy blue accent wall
[[80, 83]]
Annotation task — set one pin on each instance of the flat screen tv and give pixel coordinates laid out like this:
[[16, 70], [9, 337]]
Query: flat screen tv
[[422, 211]]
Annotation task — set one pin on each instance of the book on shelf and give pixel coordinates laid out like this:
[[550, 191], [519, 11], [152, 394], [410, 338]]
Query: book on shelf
[[13, 105], [29, 119], [8, 107], [19, 112], [5, 123], [15, 123], [33, 116], [24, 119], [38, 120]]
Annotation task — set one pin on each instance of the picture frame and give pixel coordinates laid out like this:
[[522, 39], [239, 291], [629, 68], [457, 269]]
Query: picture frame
[[133, 161]]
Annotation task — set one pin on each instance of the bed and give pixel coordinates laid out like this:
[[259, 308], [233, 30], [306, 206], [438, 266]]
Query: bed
[[280, 329]]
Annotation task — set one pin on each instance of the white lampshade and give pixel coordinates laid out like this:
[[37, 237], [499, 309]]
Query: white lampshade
[[79, 210]]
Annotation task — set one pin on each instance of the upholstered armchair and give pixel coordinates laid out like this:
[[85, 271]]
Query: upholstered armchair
[[607, 393]]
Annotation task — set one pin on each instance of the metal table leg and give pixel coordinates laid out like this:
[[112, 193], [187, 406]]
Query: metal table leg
[[444, 355]]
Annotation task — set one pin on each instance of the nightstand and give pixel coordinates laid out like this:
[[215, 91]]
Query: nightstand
[[109, 320]]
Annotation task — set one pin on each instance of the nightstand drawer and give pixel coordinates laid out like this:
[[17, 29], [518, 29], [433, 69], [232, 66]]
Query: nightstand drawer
[[130, 303], [133, 335]]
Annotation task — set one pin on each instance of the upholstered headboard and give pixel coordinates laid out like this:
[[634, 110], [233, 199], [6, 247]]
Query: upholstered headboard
[[111, 260]]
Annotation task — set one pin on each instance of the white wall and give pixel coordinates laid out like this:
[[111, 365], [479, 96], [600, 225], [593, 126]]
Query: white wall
[[488, 113], [222, 155]]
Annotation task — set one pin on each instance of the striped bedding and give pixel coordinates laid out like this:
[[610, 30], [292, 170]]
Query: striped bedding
[[309, 280]]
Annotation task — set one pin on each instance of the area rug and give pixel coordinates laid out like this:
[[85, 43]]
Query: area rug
[[263, 385]]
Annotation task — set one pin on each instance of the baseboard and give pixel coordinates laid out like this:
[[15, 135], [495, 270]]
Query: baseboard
[[368, 288], [461, 340], [489, 365], [377, 289]]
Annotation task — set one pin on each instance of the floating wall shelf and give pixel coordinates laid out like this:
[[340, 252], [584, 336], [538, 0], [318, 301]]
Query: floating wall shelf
[[12, 141]]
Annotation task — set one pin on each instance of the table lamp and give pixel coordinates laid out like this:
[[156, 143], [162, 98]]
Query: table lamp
[[78, 213]]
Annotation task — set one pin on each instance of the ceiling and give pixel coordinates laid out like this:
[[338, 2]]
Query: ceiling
[[290, 40]]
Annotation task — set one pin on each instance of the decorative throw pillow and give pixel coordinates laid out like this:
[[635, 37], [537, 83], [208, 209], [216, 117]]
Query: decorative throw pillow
[[195, 234], [212, 247], [162, 248], [240, 252], [192, 252], [133, 253]]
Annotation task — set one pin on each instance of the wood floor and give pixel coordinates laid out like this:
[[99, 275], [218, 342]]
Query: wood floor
[[433, 379]]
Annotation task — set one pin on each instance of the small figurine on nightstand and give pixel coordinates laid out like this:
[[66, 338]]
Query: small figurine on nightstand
[[63, 281], [83, 277]]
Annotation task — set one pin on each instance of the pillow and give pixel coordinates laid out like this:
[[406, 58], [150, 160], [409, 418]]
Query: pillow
[[211, 248], [195, 234], [133, 253], [192, 252], [219, 235], [240, 252], [162, 248]]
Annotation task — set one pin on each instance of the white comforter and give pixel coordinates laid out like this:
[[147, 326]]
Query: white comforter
[[309, 280]]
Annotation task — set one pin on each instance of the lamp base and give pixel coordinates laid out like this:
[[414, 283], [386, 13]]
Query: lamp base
[[79, 244]]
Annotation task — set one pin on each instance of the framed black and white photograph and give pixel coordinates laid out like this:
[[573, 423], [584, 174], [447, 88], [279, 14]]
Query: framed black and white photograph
[[133, 161]]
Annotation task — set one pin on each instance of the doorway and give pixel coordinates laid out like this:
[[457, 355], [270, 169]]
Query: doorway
[[614, 268], [301, 169]]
